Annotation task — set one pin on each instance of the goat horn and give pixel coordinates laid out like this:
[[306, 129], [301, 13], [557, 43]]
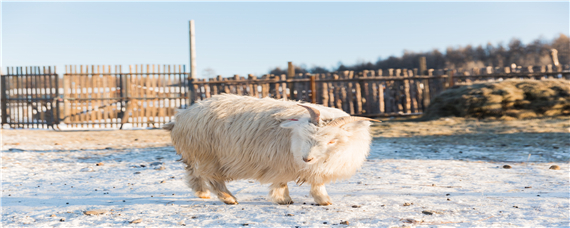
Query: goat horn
[[315, 114], [348, 119]]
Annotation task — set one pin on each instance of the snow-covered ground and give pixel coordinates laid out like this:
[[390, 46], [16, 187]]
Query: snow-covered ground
[[57, 187]]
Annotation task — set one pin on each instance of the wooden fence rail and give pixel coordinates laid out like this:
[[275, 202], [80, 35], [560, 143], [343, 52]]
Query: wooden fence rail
[[102, 96]]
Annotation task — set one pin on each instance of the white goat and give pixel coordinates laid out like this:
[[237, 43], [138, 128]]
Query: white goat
[[230, 137]]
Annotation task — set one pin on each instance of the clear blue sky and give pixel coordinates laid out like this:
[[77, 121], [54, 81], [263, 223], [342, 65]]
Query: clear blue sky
[[252, 37]]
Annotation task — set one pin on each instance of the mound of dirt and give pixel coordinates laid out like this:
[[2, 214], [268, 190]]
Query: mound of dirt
[[509, 99]]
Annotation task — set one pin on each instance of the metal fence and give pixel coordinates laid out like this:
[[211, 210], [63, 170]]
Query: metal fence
[[29, 97]]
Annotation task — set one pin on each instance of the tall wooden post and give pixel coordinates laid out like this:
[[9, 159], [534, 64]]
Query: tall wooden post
[[423, 66], [192, 76], [313, 89], [450, 75], [554, 58], [4, 100], [291, 75]]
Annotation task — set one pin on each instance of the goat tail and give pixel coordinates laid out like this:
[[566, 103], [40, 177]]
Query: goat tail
[[168, 126]]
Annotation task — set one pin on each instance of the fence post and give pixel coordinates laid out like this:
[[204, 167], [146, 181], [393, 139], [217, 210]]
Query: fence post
[[313, 89], [450, 75], [192, 75], [4, 100], [423, 66], [554, 58], [58, 99], [291, 75], [125, 88]]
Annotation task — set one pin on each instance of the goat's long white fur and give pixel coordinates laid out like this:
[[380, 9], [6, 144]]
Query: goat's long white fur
[[230, 137]]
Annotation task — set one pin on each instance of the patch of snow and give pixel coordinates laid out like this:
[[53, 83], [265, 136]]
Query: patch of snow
[[133, 191]]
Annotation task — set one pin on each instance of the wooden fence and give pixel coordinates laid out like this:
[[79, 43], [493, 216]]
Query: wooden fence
[[97, 96], [146, 96], [365, 94]]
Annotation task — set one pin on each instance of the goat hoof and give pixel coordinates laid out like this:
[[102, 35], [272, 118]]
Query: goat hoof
[[231, 202], [203, 195], [285, 202]]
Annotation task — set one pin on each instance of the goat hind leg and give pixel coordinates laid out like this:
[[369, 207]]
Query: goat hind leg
[[279, 193], [196, 182], [220, 189], [199, 186]]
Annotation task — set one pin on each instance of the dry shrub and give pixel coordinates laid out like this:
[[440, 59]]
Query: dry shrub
[[509, 99]]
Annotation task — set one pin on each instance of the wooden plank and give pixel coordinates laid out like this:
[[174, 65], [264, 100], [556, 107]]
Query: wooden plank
[[331, 92], [349, 91], [168, 91], [152, 94], [117, 94], [137, 93], [147, 94], [388, 97], [93, 96], [28, 95], [337, 98], [79, 92], [105, 94], [66, 91], [38, 92], [133, 92], [324, 91], [238, 89], [277, 86], [74, 93], [426, 94], [35, 94], [15, 94], [366, 101], [284, 89], [313, 89], [159, 98], [264, 87], [100, 103], [358, 97], [407, 99], [381, 99]]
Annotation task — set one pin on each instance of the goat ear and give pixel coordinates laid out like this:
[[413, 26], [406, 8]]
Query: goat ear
[[290, 123], [355, 125]]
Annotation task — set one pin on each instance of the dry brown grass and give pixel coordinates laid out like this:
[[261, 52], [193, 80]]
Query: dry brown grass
[[445, 130]]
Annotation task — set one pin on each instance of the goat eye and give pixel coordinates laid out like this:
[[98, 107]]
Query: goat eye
[[332, 142]]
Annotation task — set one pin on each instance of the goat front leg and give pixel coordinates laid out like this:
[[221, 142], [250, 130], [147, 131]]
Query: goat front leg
[[319, 193], [279, 193]]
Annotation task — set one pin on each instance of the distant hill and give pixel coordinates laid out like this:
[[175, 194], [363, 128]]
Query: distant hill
[[532, 54]]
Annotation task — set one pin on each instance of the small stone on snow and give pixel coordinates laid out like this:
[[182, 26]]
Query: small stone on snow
[[554, 167], [136, 221], [95, 212], [430, 212], [155, 163]]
